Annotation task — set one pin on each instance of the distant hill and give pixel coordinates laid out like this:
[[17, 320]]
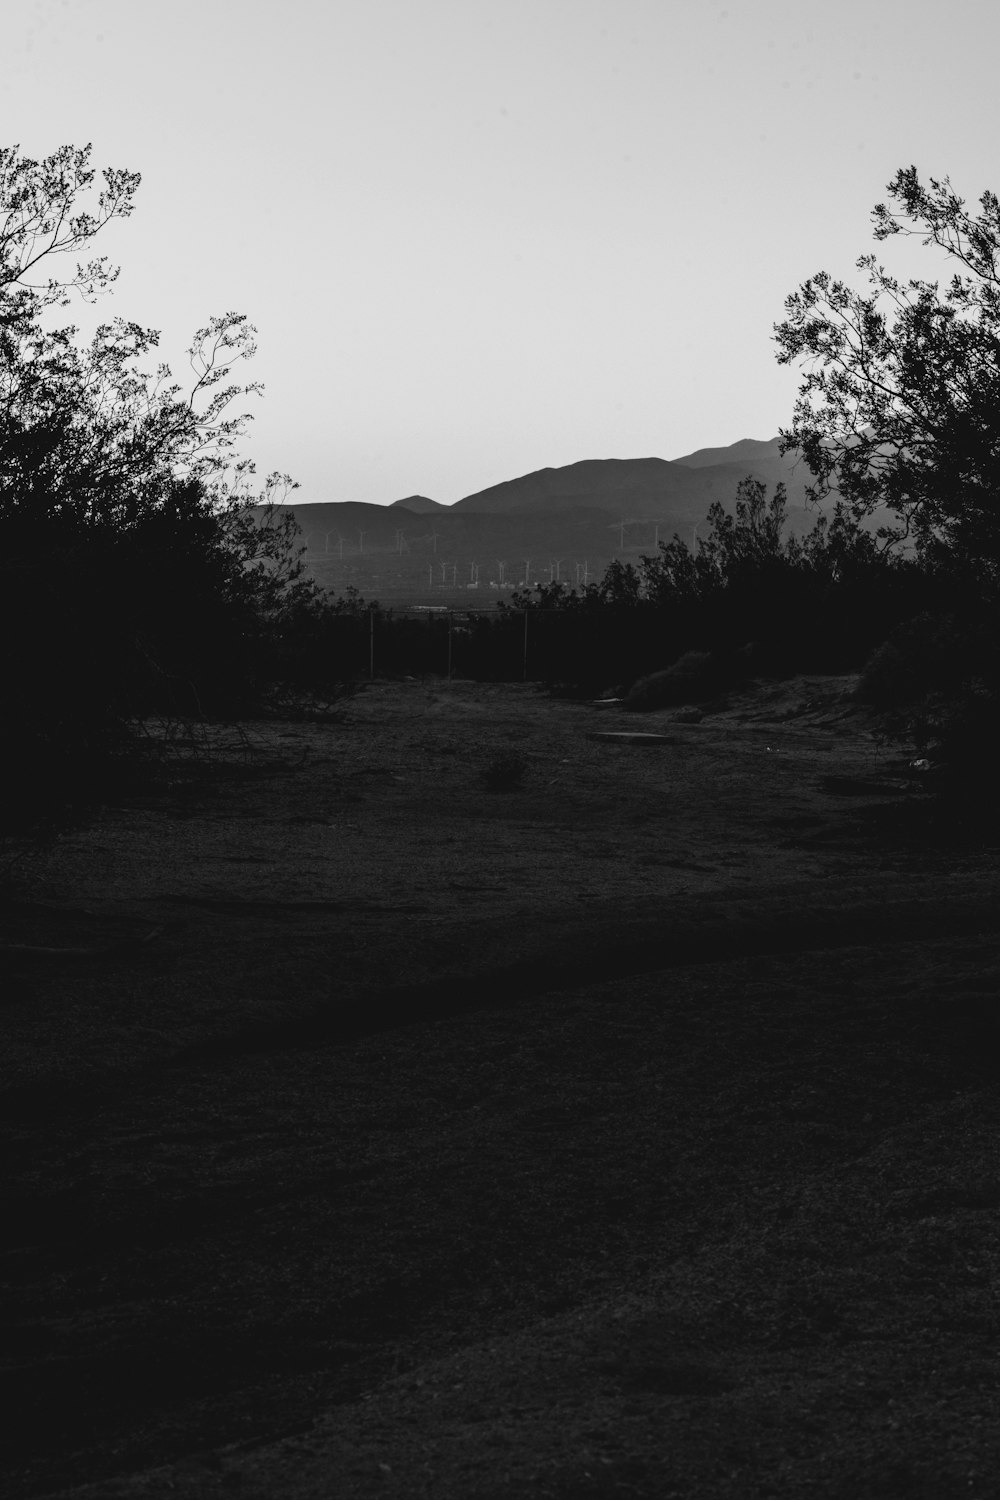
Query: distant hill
[[420, 505], [567, 522], [677, 491], [598, 483], [747, 450]]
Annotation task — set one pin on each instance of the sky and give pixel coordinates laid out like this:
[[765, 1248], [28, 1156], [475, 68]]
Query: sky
[[483, 237]]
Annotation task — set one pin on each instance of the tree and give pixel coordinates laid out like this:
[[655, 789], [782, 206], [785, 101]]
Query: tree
[[88, 436], [900, 405], [37, 200], [744, 548], [750, 540], [139, 569]]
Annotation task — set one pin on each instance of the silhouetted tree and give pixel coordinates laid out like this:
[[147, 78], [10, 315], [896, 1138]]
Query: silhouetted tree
[[138, 566], [900, 407], [900, 404], [88, 435]]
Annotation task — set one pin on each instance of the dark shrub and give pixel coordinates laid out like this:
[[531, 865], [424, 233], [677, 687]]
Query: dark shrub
[[936, 680], [695, 676], [923, 657]]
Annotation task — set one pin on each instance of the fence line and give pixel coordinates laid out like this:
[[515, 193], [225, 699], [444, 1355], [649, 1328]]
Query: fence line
[[435, 613], [493, 644]]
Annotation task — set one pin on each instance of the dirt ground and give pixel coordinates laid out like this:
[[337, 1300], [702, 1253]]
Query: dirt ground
[[630, 1131]]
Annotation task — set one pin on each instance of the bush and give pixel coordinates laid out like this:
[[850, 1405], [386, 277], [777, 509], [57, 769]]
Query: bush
[[919, 659], [695, 676], [936, 682]]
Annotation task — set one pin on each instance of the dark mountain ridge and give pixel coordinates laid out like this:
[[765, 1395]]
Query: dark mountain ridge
[[600, 483], [747, 450], [646, 487], [418, 504]]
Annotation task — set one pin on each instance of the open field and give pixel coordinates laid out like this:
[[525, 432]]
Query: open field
[[632, 1131]]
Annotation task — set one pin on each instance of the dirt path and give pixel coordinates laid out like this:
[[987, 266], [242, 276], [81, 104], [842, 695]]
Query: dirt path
[[629, 1132]]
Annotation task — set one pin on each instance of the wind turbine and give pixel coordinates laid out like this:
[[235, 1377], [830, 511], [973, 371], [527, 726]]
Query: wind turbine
[[362, 535], [501, 565]]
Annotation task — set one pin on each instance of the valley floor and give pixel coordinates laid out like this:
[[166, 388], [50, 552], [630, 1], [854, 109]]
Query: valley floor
[[632, 1131]]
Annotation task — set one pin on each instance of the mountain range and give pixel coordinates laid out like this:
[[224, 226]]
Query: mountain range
[[643, 487], [566, 522]]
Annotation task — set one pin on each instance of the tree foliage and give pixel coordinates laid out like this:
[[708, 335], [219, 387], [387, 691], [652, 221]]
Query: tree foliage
[[142, 568], [38, 199], [900, 406], [90, 436], [900, 403]]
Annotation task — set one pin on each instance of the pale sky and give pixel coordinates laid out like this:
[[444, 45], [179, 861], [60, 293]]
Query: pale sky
[[480, 237]]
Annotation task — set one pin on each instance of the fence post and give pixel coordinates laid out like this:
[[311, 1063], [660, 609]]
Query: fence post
[[524, 672], [449, 644], [371, 644]]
